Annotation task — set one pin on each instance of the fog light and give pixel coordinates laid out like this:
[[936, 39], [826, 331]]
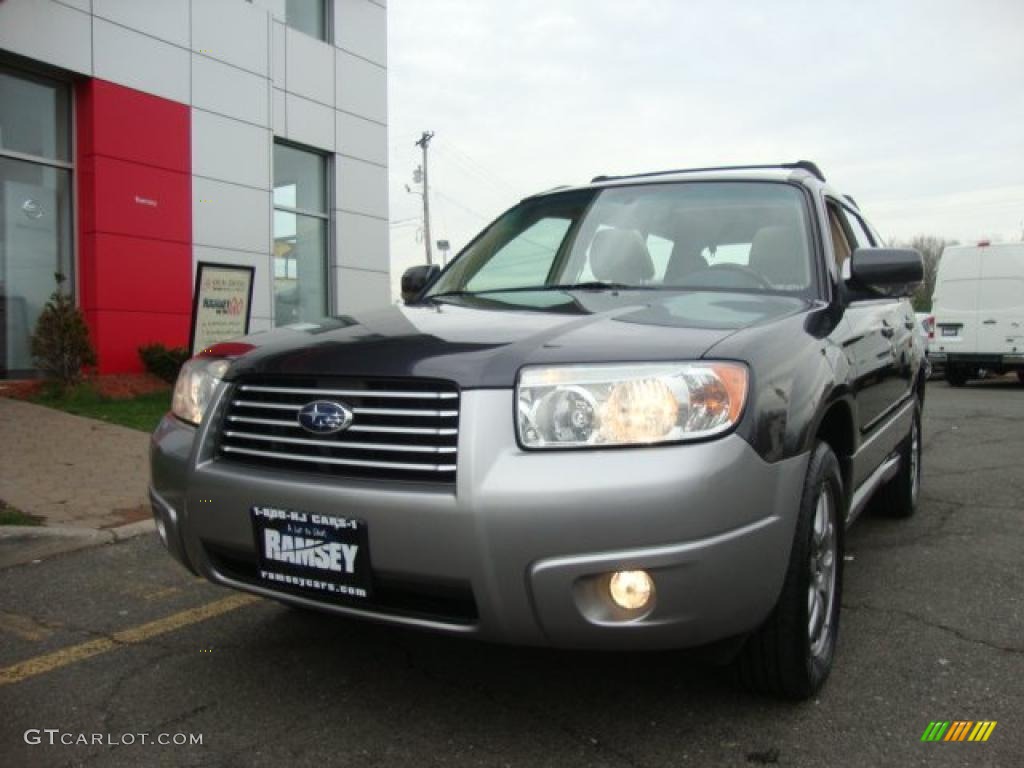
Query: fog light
[[631, 589]]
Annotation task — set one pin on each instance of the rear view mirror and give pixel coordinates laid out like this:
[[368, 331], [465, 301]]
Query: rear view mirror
[[415, 279], [888, 271]]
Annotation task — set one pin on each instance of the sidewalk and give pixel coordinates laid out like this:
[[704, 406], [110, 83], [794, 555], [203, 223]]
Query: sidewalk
[[77, 474]]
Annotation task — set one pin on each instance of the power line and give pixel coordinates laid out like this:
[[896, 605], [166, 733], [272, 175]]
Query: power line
[[482, 169]]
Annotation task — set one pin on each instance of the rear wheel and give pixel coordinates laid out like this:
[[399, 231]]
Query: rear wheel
[[898, 497], [956, 376], [791, 654]]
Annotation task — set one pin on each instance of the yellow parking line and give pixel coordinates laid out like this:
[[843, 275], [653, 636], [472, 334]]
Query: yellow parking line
[[24, 627], [50, 661]]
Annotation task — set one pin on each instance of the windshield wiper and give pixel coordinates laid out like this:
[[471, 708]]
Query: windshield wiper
[[588, 285]]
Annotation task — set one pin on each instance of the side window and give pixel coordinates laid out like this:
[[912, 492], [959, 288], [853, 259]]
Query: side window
[[840, 243], [860, 231], [523, 261]]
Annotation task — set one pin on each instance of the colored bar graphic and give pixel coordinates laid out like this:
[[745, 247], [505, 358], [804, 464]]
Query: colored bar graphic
[[935, 730], [958, 730]]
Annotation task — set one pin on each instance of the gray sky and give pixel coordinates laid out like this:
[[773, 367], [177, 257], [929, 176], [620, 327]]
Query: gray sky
[[914, 108]]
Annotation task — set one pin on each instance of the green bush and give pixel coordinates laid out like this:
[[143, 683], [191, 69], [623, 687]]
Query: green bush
[[60, 345], [163, 362]]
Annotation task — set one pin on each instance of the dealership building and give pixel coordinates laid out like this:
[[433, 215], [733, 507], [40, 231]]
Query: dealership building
[[140, 138]]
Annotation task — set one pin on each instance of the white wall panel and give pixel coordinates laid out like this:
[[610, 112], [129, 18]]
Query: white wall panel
[[138, 61], [47, 31], [362, 241], [361, 27], [361, 138], [230, 150], [166, 19], [219, 87], [278, 59], [228, 216], [310, 123], [233, 31], [361, 87], [361, 187], [358, 290], [310, 67], [261, 289], [276, 7], [280, 111]]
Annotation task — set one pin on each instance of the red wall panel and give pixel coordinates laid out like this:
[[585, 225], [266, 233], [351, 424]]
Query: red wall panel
[[135, 126], [141, 200], [153, 284], [122, 333], [134, 220]]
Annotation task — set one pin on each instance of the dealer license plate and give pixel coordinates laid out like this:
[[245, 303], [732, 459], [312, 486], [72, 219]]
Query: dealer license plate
[[324, 555]]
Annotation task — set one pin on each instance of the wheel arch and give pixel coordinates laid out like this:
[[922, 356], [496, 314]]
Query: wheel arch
[[835, 426]]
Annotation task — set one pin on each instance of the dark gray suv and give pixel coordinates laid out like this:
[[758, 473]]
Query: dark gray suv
[[634, 414]]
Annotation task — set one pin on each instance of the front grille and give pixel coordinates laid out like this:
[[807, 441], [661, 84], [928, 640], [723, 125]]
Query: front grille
[[403, 429]]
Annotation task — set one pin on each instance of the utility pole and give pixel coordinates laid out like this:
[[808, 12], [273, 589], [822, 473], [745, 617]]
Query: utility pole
[[424, 142]]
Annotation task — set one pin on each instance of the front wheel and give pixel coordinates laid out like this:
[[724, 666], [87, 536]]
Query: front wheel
[[791, 654]]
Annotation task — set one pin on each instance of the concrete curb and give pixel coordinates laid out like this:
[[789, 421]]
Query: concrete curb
[[20, 544]]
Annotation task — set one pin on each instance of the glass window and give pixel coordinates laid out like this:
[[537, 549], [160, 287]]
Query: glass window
[[300, 235], [740, 236], [524, 260], [860, 232], [309, 16], [840, 244], [34, 116], [35, 243], [35, 207]]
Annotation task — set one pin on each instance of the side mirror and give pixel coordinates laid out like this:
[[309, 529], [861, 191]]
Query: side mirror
[[415, 279], [888, 271]]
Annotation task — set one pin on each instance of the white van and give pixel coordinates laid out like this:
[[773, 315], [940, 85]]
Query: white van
[[979, 311]]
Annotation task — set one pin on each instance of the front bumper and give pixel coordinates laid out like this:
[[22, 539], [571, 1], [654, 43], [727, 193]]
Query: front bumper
[[516, 551]]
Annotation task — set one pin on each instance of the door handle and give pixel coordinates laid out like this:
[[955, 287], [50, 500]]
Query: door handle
[[989, 322], [888, 332]]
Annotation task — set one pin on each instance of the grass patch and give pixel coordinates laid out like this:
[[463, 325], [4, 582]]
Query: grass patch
[[11, 516], [142, 412]]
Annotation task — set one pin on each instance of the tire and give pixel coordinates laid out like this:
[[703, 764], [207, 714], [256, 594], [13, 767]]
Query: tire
[[785, 656], [898, 498], [956, 376]]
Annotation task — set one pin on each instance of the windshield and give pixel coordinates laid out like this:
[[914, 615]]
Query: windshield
[[737, 236]]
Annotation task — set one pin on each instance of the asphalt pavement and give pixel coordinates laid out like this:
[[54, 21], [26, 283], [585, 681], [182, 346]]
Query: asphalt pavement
[[119, 641]]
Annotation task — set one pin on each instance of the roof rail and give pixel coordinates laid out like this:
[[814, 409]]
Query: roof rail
[[851, 201], [804, 165]]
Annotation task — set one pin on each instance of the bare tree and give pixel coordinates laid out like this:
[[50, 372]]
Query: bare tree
[[931, 248]]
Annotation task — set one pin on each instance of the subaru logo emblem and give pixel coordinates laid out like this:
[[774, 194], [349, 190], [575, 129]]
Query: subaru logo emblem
[[324, 417]]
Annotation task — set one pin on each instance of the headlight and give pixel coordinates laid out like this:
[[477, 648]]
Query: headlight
[[195, 385], [577, 406]]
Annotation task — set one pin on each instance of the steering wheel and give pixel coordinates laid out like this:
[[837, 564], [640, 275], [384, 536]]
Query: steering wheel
[[739, 269]]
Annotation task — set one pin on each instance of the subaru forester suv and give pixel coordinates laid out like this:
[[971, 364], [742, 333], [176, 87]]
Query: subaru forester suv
[[634, 414]]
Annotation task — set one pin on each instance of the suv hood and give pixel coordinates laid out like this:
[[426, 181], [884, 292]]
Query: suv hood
[[482, 342]]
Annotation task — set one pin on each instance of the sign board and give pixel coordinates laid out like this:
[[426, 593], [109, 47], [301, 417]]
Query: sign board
[[221, 304]]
